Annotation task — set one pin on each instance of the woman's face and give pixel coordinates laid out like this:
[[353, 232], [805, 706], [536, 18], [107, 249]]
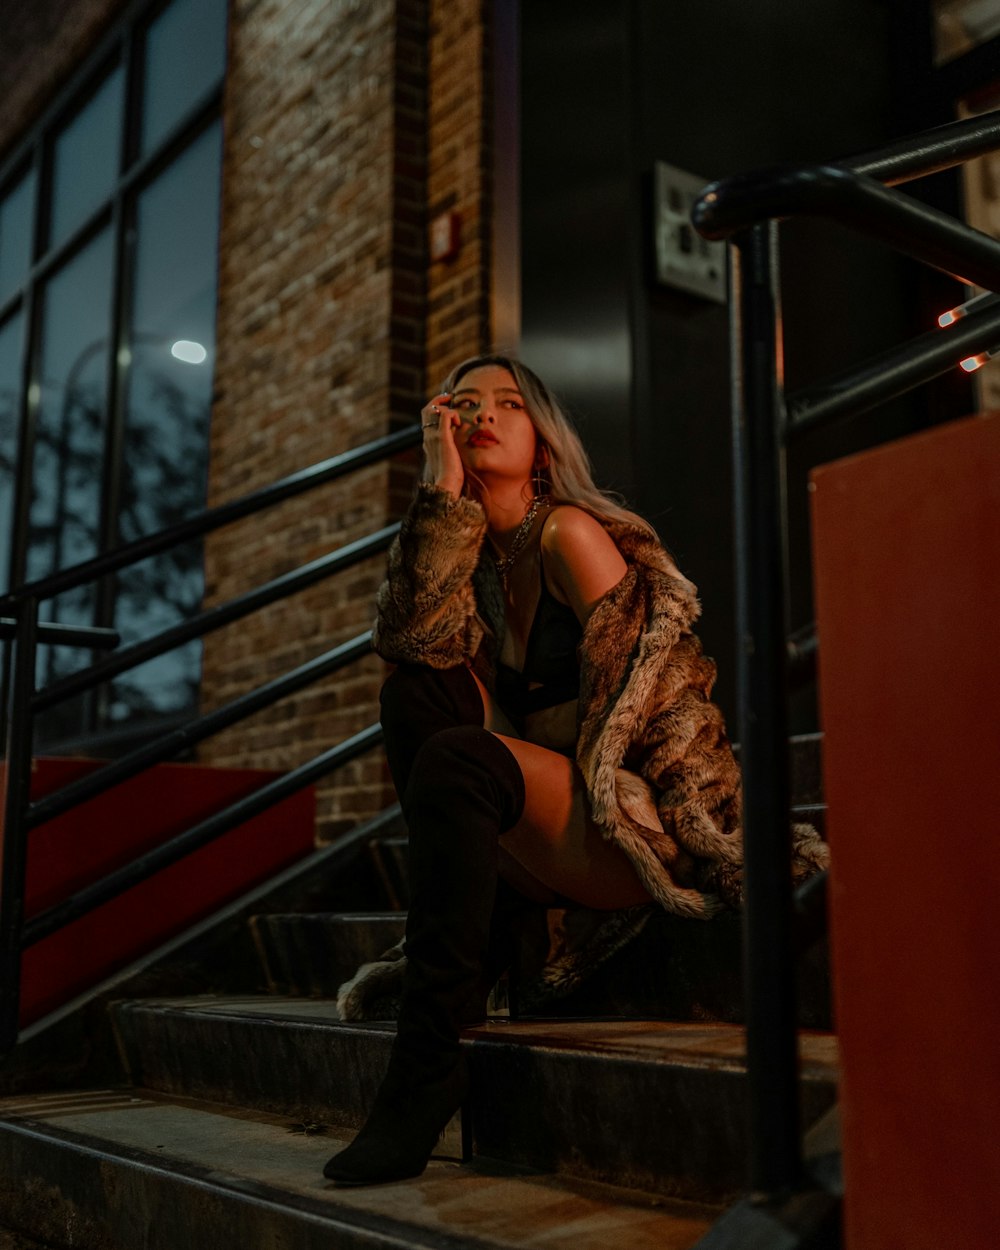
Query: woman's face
[[497, 435]]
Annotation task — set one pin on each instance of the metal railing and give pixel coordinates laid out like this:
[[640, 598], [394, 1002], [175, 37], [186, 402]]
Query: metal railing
[[746, 210], [20, 624]]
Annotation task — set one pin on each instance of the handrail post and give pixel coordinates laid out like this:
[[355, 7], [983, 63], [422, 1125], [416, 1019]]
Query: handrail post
[[775, 1164], [17, 792]]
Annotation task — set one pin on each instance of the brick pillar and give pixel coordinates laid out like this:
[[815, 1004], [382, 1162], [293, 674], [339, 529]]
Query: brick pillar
[[320, 349], [459, 164]]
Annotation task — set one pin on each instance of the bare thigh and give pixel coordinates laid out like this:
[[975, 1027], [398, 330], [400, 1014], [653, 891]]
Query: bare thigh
[[556, 841]]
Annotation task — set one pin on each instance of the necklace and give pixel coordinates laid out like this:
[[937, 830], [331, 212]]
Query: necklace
[[506, 563]]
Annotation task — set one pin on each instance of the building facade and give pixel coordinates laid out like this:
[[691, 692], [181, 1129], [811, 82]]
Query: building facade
[[281, 164], [238, 237]]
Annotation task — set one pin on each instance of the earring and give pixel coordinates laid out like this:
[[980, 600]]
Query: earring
[[540, 483]]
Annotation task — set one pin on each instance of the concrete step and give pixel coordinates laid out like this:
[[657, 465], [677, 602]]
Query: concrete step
[[648, 1104], [675, 969], [678, 969], [120, 1170], [315, 953]]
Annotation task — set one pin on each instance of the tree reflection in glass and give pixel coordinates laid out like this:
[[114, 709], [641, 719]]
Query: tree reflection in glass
[[68, 461], [166, 422]]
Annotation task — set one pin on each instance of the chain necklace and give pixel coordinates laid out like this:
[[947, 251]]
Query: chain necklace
[[506, 563]]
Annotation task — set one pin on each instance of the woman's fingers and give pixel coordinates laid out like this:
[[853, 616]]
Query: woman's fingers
[[439, 423]]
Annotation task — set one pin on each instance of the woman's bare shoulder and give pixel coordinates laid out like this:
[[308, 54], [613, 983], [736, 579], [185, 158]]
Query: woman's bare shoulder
[[581, 559], [567, 523]]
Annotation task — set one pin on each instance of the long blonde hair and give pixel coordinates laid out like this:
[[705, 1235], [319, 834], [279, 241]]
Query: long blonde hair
[[569, 472]]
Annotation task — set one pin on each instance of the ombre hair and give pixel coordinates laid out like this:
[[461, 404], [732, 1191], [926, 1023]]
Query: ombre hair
[[569, 473]]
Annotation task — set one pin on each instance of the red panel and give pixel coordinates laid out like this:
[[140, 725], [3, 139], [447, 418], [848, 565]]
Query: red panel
[[113, 829], [907, 565]]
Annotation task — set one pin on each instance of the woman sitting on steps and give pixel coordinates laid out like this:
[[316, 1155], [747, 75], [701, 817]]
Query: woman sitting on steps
[[548, 728]]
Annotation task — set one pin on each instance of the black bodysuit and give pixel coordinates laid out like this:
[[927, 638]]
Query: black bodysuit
[[549, 658]]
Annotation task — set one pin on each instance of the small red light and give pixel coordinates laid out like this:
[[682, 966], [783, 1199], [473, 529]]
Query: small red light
[[952, 315], [971, 363]]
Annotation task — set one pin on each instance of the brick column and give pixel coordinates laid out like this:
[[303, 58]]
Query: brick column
[[320, 350]]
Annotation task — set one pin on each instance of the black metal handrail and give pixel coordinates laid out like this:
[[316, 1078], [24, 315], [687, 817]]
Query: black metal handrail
[[925, 233], [94, 637], [196, 730], [21, 621], [211, 519], [929, 152], [208, 830], [214, 618], [892, 373], [745, 209]]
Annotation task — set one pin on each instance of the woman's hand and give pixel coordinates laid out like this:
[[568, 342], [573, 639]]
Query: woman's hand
[[439, 425]]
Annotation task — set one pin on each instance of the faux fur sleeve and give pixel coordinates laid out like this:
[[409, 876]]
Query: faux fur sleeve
[[427, 605]]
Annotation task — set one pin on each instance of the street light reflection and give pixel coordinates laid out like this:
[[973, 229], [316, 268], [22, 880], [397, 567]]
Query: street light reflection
[[191, 353]]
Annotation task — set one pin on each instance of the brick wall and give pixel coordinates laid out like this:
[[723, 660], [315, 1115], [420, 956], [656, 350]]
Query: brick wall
[[348, 126], [320, 350], [345, 134], [458, 181]]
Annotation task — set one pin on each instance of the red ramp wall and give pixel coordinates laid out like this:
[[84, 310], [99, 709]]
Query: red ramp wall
[[907, 575]]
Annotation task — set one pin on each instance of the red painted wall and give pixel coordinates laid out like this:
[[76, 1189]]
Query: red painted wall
[[84, 845], [907, 559]]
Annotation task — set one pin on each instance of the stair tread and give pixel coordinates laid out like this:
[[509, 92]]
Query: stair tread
[[298, 917], [719, 1046], [259, 1157]]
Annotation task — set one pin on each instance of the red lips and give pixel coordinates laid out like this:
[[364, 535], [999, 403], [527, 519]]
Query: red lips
[[481, 439]]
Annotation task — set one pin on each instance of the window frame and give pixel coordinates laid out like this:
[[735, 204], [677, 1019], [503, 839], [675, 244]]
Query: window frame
[[123, 45]]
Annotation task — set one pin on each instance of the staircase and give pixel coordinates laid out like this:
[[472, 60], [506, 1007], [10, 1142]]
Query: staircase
[[193, 1103]]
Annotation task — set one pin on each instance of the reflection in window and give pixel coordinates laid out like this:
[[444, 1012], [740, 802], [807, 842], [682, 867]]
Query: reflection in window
[[15, 235], [98, 247], [69, 439], [85, 160], [167, 418], [10, 405], [185, 56]]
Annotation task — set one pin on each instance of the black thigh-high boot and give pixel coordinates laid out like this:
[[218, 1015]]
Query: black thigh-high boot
[[466, 789], [416, 703]]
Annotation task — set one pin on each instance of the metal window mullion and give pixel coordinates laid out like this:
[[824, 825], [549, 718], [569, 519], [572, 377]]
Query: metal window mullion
[[141, 170], [114, 440]]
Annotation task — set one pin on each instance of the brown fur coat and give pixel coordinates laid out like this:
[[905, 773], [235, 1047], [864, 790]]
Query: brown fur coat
[[652, 747]]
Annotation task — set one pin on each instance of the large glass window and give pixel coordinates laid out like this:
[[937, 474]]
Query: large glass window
[[115, 269], [85, 158], [166, 418], [185, 54], [70, 435]]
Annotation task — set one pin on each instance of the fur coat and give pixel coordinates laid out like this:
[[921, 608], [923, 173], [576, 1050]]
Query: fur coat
[[658, 766]]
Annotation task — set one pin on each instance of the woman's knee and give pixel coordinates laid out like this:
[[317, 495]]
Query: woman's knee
[[415, 693], [466, 758]]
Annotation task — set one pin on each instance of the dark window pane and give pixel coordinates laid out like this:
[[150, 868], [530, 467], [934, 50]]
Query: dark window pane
[[169, 399], [10, 405], [16, 210], [85, 158], [185, 57], [70, 436]]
